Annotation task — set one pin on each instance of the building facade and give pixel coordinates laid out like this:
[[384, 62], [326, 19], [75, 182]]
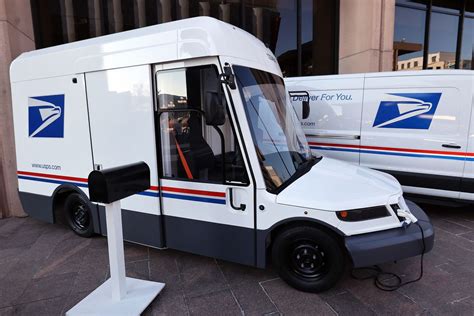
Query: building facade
[[308, 37]]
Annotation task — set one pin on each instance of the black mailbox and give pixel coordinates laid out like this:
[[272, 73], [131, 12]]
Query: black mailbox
[[110, 185]]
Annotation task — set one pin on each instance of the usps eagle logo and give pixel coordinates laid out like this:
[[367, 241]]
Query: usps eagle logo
[[407, 110], [46, 116]]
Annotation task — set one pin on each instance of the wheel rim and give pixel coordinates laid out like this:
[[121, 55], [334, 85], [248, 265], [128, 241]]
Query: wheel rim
[[80, 216], [308, 259]]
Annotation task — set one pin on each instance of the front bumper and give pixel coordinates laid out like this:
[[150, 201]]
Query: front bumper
[[393, 244]]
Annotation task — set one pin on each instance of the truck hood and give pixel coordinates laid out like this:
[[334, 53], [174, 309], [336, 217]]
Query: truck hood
[[334, 185]]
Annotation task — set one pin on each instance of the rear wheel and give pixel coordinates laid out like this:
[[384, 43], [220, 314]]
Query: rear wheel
[[78, 215], [308, 258]]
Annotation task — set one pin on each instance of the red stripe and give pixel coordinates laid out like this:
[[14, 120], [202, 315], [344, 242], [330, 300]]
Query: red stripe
[[168, 189], [421, 151], [191, 191], [51, 176]]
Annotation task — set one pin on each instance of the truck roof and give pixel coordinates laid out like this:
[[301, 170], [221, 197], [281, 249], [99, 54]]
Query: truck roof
[[449, 72], [173, 41]]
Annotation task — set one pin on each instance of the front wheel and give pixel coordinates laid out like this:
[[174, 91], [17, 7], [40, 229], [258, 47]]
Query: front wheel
[[308, 258], [79, 215]]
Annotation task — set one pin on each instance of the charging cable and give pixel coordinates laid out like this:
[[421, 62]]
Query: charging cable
[[381, 277]]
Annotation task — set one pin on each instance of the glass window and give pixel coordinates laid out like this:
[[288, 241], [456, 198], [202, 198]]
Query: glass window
[[467, 49], [413, 3], [443, 38], [276, 131], [191, 149], [274, 23], [409, 35], [318, 37]]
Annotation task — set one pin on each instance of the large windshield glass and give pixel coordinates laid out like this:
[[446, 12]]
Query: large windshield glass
[[279, 140]]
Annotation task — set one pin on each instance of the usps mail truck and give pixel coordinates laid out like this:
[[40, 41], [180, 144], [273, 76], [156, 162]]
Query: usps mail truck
[[416, 125], [232, 175]]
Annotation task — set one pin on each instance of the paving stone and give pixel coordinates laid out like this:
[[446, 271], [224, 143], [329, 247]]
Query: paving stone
[[135, 252], [71, 300], [450, 227], [236, 273], [93, 271], [171, 300], [52, 306], [383, 303], [189, 262], [202, 281], [463, 306], [469, 236], [216, 303], [253, 299], [163, 262], [67, 257], [138, 269], [293, 302], [346, 303], [46, 288]]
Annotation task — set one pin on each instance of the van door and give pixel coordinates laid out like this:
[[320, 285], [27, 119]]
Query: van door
[[332, 125], [205, 191], [415, 127], [467, 183]]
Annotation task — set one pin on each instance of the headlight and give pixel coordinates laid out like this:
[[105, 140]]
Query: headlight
[[363, 214]]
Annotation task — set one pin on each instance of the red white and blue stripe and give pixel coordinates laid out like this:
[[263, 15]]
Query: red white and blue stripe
[[392, 151], [154, 191]]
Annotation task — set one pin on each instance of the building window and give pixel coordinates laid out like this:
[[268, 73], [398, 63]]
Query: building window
[[303, 34], [415, 64], [438, 31], [409, 34]]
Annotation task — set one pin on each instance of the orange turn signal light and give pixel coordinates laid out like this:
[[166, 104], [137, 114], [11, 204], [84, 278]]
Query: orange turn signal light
[[343, 214]]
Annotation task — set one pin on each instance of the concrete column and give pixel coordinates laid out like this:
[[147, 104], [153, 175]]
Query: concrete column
[[204, 8], [67, 19], [165, 12], [140, 13], [95, 20], [115, 16], [224, 12], [366, 35], [184, 9], [16, 36]]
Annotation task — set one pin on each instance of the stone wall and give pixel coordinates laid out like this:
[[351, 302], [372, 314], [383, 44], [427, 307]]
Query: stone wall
[[366, 35], [16, 36]]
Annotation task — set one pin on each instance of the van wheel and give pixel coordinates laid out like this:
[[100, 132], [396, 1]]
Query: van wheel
[[78, 215], [308, 259]]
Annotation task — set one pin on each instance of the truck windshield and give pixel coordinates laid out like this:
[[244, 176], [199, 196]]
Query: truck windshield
[[281, 145]]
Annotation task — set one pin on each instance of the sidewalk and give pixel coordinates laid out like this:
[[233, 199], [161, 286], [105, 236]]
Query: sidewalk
[[45, 270]]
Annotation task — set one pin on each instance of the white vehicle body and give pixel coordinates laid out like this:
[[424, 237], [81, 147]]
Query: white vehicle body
[[416, 125], [115, 96]]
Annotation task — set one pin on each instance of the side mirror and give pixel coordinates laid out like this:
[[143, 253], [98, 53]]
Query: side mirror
[[303, 97], [305, 109], [214, 111]]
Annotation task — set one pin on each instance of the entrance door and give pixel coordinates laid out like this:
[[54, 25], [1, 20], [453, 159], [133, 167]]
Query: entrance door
[[206, 195]]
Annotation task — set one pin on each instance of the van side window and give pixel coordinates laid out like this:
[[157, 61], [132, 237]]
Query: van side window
[[191, 149]]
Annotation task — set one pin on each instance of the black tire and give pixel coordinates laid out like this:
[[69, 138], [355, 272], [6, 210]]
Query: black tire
[[78, 215], [308, 259]]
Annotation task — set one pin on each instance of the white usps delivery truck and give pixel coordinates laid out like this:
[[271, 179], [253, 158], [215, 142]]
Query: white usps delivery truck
[[232, 174], [416, 125]]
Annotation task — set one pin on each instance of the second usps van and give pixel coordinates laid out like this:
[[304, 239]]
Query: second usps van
[[232, 174], [416, 125]]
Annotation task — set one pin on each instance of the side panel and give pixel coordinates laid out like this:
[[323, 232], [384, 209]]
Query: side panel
[[467, 183], [52, 139], [415, 127], [333, 124], [122, 128]]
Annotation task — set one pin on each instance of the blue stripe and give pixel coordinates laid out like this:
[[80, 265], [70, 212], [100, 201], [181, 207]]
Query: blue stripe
[[363, 151], [145, 193], [193, 198], [83, 185]]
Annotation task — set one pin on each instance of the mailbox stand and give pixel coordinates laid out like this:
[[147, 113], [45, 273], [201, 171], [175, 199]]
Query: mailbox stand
[[119, 295]]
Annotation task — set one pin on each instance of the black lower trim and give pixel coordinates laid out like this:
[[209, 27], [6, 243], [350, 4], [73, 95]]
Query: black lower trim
[[138, 227], [226, 242], [432, 181], [392, 244], [37, 206]]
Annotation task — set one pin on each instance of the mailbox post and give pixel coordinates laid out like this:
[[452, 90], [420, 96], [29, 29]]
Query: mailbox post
[[119, 295]]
